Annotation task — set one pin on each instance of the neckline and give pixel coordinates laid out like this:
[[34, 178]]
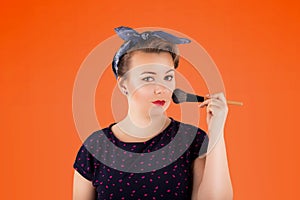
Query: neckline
[[136, 143]]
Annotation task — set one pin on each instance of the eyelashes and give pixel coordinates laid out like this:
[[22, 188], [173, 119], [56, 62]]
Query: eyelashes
[[170, 77], [150, 78]]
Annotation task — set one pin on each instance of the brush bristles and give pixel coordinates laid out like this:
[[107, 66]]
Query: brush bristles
[[179, 96]]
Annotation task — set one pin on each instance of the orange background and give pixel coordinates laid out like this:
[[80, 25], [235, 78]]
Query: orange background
[[254, 44]]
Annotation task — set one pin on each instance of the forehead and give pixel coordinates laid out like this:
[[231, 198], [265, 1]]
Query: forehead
[[150, 68], [142, 58]]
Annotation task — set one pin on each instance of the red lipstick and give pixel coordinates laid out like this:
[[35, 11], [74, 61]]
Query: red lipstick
[[159, 103]]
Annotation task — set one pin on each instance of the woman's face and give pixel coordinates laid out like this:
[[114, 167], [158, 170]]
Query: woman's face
[[150, 82]]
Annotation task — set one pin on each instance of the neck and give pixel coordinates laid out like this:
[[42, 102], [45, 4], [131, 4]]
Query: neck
[[143, 120], [143, 126]]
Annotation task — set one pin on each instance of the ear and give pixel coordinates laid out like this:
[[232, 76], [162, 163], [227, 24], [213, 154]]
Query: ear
[[122, 84]]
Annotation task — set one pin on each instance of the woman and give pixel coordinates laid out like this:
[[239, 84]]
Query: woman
[[144, 67]]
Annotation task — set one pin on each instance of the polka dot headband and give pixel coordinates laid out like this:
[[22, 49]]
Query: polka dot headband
[[132, 37]]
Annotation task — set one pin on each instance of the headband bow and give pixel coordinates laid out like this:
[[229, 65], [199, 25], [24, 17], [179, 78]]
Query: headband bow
[[132, 37]]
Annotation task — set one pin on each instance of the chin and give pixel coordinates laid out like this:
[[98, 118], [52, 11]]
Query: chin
[[155, 111]]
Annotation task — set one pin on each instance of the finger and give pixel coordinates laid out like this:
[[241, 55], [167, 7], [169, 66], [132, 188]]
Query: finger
[[213, 108], [216, 102], [217, 108], [204, 103], [219, 95]]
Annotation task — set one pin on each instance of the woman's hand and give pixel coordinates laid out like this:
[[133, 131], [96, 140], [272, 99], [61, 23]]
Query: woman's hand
[[216, 112]]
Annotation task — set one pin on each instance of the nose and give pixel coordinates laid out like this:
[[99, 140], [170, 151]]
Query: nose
[[159, 89]]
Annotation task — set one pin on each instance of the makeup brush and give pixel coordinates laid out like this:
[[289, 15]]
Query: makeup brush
[[180, 96]]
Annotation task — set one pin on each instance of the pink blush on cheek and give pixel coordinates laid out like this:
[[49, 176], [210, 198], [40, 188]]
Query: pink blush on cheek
[[142, 97]]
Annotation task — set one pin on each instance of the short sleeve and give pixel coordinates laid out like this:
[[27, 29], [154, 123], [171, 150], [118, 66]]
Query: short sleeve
[[200, 144], [85, 163]]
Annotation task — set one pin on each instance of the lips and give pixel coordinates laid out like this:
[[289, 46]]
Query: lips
[[159, 102]]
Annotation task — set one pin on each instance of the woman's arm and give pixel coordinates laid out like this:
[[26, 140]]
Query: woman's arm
[[198, 169], [215, 181], [82, 188]]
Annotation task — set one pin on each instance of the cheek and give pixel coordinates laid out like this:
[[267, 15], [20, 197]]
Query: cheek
[[143, 95]]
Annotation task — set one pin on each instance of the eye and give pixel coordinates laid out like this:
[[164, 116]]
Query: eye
[[169, 78], [148, 79]]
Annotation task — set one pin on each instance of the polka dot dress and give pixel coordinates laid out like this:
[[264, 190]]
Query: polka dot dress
[[172, 181]]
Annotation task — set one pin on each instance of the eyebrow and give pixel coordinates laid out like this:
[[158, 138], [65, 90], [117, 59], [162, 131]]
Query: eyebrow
[[155, 73]]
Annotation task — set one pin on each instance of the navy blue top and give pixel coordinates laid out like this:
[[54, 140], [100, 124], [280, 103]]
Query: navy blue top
[[173, 180]]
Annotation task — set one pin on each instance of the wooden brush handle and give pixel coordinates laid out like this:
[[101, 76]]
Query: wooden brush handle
[[230, 102], [237, 103]]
